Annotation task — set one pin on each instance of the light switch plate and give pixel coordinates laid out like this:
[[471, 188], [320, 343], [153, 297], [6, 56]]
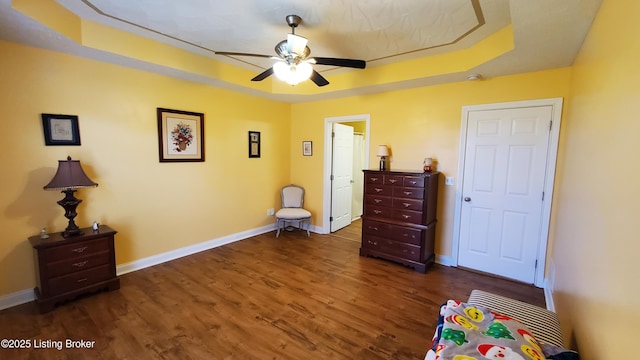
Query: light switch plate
[[448, 180]]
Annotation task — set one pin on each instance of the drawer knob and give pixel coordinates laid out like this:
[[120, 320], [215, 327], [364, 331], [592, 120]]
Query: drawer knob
[[377, 189], [80, 249], [406, 216], [81, 280], [373, 228], [408, 192], [413, 182], [374, 179], [406, 205], [377, 212], [392, 181], [80, 264], [377, 201]]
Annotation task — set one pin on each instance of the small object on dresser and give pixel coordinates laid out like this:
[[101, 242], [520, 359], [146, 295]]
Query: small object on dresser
[[427, 165], [96, 226], [43, 233]]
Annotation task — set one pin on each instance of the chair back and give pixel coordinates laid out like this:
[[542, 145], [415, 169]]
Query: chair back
[[292, 196]]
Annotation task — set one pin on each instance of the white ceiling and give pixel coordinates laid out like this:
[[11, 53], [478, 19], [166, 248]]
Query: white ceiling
[[547, 33]]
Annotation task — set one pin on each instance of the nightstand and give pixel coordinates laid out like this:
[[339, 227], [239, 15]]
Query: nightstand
[[72, 266]]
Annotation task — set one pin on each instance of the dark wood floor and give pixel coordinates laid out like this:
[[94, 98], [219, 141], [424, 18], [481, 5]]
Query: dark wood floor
[[290, 297]]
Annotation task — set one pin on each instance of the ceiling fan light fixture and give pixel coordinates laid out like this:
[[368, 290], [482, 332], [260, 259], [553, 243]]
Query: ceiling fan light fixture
[[292, 74]]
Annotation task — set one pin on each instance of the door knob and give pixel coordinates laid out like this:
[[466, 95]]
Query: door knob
[[467, 199]]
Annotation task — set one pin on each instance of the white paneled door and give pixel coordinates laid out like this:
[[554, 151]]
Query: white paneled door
[[502, 190], [342, 172]]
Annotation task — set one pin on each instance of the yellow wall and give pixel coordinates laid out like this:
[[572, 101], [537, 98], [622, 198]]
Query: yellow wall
[[595, 234], [415, 123], [156, 207]]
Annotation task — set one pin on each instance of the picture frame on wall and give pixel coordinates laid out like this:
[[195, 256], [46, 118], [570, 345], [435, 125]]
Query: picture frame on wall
[[180, 135], [254, 144], [307, 148], [60, 129]]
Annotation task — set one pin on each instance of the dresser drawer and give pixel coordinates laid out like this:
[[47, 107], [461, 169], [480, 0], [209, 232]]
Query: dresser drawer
[[376, 228], [379, 211], [371, 242], [408, 216], [407, 235], [77, 264], [377, 200], [401, 250], [413, 181], [374, 178], [77, 249], [381, 190], [393, 180], [77, 280], [408, 204], [407, 192]]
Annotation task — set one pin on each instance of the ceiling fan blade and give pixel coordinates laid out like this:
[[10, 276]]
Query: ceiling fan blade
[[318, 79], [241, 54], [358, 64], [263, 75]]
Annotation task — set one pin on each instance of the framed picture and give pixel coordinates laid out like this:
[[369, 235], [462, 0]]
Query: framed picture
[[254, 144], [60, 129], [180, 135], [307, 149]]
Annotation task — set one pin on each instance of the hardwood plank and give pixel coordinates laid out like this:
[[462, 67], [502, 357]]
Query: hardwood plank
[[290, 297]]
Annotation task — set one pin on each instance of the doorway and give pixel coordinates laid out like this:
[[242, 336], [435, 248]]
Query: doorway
[[360, 123], [505, 185]]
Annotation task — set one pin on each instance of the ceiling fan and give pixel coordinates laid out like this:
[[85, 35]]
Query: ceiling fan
[[293, 62]]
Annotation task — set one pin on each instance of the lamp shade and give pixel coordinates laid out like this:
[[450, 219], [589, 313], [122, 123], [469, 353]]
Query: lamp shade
[[69, 176], [383, 150]]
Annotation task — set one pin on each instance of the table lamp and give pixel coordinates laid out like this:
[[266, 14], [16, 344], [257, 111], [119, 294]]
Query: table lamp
[[383, 153], [68, 178]]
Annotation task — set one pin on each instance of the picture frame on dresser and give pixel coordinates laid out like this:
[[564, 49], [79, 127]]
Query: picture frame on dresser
[[180, 135]]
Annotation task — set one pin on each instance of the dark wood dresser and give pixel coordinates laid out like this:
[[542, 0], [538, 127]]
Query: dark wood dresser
[[399, 220], [68, 267]]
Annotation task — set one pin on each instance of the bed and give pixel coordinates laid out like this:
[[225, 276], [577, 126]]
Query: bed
[[490, 326]]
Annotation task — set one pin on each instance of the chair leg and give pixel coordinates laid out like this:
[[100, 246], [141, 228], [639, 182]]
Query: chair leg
[[308, 223], [278, 227]]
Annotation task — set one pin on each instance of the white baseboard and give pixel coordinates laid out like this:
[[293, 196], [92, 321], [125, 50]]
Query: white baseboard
[[16, 298], [190, 250], [25, 296], [445, 260]]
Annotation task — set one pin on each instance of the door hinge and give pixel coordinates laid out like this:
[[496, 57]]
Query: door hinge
[[333, 134], [535, 266], [331, 177], [330, 218], [543, 196], [550, 125]]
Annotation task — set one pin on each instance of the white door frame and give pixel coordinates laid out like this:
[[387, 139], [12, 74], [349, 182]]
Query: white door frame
[[556, 117], [326, 192]]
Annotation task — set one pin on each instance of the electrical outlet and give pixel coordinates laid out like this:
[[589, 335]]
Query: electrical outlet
[[448, 180], [271, 212]]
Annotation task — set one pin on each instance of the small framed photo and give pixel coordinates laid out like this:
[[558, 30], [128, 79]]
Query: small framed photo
[[307, 148], [180, 135], [60, 129], [254, 144]]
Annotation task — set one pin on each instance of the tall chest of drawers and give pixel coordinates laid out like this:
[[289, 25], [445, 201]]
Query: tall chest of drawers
[[72, 266], [399, 219]]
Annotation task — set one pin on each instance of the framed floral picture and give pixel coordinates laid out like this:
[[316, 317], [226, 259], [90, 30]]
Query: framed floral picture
[[60, 129], [180, 135]]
